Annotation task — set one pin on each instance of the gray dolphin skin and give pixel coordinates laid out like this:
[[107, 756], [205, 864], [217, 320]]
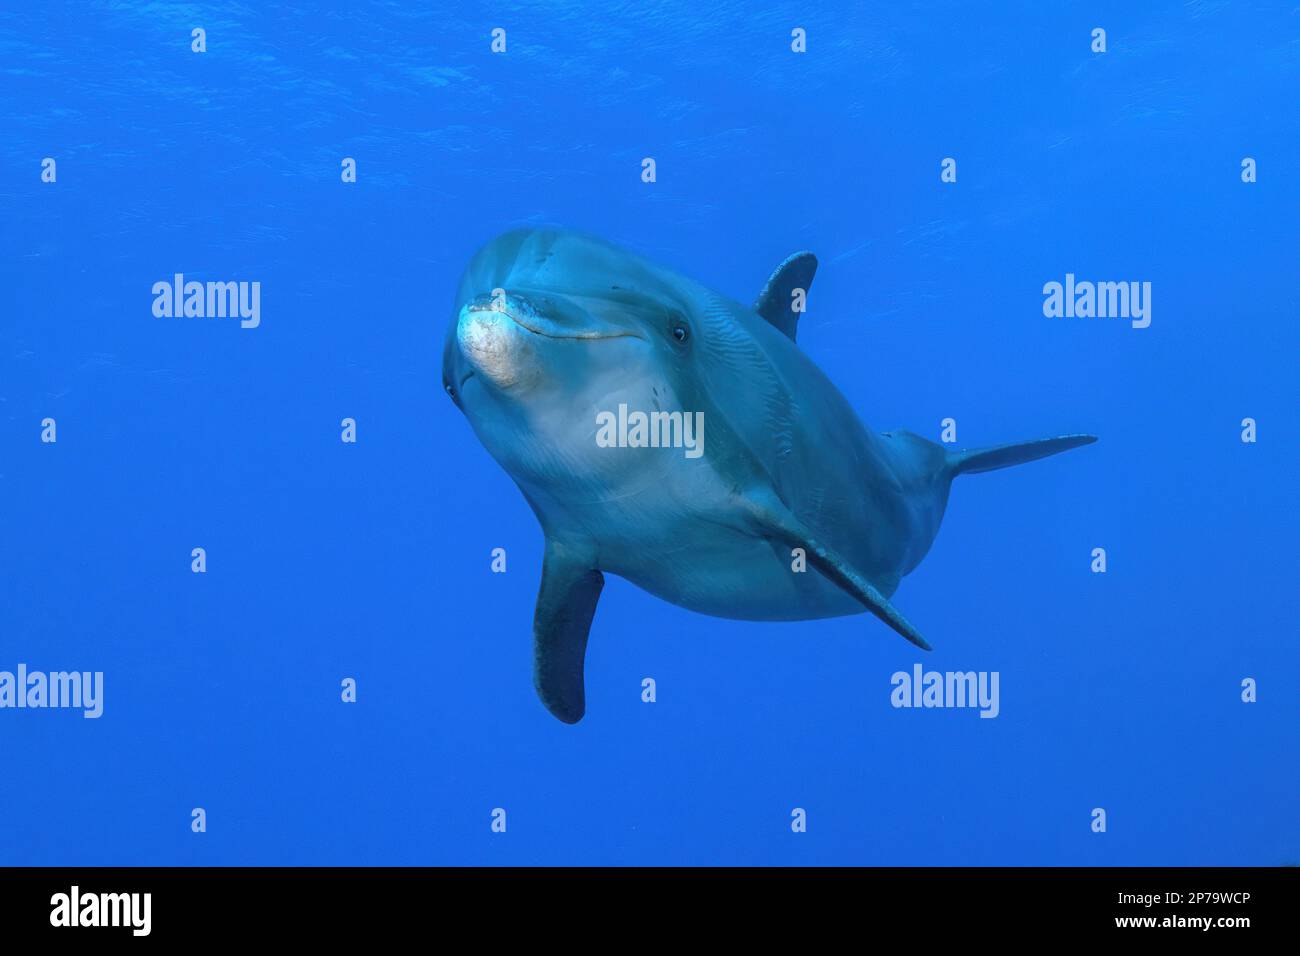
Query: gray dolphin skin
[[751, 460]]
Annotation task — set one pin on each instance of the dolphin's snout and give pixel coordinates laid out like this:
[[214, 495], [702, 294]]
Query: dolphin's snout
[[501, 332], [493, 342], [555, 316], [510, 304]]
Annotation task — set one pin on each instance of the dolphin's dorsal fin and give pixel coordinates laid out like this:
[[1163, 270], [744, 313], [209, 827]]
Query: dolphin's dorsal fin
[[776, 302], [565, 606]]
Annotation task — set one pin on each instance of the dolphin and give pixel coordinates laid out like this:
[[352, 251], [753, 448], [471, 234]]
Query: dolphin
[[556, 335]]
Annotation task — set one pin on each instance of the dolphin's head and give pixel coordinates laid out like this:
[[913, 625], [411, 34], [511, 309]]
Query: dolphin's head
[[532, 370]]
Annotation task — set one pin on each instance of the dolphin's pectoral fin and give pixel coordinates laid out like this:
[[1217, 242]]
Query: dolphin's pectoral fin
[[776, 302], [772, 516], [566, 604]]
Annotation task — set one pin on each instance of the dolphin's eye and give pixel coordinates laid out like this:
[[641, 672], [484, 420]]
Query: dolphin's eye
[[447, 387], [680, 330]]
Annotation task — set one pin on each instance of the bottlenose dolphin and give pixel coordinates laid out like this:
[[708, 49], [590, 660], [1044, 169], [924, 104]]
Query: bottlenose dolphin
[[556, 334]]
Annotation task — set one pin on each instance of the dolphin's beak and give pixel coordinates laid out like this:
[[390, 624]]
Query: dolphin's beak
[[500, 334], [494, 345], [550, 315]]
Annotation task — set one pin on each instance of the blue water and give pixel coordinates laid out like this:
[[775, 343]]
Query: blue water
[[371, 560]]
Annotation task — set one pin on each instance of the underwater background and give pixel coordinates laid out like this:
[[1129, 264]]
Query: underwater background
[[1119, 690]]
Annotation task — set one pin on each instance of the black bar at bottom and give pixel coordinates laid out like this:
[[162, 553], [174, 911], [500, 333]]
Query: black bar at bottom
[[335, 904]]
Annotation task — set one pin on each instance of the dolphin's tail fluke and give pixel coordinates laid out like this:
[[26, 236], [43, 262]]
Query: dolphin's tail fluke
[[1004, 456]]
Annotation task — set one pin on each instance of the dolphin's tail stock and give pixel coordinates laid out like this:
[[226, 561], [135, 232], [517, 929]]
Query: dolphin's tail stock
[[974, 460]]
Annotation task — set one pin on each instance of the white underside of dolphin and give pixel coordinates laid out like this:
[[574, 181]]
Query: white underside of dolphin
[[552, 329]]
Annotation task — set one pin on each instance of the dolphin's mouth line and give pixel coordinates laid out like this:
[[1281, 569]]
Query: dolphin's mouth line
[[577, 336], [580, 336]]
